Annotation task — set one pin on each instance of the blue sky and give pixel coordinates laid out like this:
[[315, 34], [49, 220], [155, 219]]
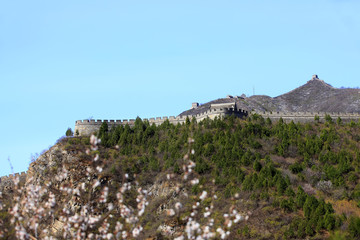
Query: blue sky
[[61, 61]]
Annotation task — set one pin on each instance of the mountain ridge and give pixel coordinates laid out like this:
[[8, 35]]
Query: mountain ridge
[[314, 96]]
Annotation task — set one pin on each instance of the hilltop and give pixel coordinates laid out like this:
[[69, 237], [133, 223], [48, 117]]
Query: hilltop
[[314, 96]]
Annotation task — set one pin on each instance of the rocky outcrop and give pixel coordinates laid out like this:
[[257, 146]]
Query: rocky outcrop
[[48, 163]]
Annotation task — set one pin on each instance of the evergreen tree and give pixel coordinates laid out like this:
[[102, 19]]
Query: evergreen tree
[[309, 230], [103, 129], [328, 118], [329, 221], [338, 121], [354, 227], [310, 205], [281, 185], [268, 121], [103, 134], [301, 229], [257, 166], [69, 132]]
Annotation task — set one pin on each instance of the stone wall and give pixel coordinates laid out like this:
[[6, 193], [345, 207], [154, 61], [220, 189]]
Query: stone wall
[[304, 117], [7, 182], [12, 176], [87, 127]]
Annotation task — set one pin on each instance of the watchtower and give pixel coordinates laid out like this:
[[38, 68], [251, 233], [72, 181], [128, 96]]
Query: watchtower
[[315, 77], [194, 105]]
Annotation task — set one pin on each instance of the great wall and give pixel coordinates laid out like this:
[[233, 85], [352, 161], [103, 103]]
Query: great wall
[[87, 127], [7, 182], [305, 117]]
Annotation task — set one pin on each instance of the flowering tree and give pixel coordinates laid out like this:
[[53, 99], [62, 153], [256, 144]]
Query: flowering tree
[[80, 207]]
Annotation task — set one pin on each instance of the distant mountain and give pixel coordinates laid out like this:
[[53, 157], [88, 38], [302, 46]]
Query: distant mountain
[[314, 96]]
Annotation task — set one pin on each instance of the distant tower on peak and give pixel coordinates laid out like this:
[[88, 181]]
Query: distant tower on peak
[[315, 77], [194, 105]]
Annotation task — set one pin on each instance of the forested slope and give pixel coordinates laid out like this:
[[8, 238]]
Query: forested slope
[[231, 178]]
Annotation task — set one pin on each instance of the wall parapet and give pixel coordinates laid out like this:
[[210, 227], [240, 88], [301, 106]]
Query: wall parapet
[[87, 127], [309, 116], [11, 177]]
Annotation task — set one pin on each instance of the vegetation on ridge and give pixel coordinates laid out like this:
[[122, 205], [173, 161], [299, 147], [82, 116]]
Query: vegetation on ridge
[[290, 181]]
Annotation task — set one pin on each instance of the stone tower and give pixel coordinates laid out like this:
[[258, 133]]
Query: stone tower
[[315, 77]]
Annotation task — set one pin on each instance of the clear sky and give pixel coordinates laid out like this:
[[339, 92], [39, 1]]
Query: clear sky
[[61, 61]]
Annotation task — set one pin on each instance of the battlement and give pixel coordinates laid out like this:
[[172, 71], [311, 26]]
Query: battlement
[[320, 114], [89, 126], [304, 117], [11, 177]]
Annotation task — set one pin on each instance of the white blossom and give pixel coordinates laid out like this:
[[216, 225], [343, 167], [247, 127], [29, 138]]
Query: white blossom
[[203, 195]]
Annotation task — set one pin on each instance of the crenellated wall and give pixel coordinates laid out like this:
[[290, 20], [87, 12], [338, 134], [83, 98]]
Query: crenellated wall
[[11, 177], [87, 127], [304, 117]]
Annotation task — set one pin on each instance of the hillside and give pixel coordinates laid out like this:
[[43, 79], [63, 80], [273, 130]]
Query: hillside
[[217, 179], [314, 96], [319, 96]]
